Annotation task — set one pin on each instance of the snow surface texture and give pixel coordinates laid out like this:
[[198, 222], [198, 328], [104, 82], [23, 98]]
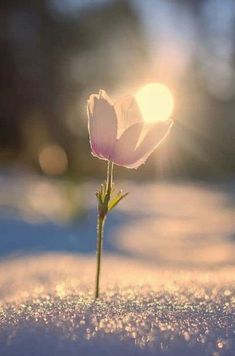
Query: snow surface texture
[[48, 309], [168, 276]]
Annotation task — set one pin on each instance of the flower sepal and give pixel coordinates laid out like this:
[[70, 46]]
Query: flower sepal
[[107, 202], [101, 196]]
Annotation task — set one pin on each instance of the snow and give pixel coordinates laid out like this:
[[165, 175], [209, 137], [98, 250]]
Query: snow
[[48, 309], [168, 273]]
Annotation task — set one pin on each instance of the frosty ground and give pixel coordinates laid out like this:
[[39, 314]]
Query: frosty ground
[[168, 275]]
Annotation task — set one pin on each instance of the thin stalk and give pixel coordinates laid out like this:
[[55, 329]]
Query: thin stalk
[[100, 236], [100, 224]]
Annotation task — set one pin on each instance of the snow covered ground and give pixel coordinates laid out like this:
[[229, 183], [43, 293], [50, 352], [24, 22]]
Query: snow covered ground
[[168, 274]]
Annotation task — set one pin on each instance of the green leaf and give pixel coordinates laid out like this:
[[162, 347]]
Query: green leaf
[[98, 196], [116, 200], [101, 194]]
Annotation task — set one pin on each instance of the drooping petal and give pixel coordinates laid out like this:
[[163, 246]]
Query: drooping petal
[[128, 113], [102, 124], [138, 142]]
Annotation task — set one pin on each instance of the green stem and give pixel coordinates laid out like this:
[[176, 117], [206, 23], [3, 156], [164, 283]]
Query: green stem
[[100, 235], [109, 181], [100, 224]]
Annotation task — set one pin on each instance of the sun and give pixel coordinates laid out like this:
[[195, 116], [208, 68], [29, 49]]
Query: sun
[[155, 101]]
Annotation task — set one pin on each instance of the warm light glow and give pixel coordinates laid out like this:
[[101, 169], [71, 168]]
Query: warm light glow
[[53, 160], [155, 101]]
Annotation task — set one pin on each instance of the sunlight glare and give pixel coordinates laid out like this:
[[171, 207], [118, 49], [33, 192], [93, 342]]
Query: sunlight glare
[[155, 101]]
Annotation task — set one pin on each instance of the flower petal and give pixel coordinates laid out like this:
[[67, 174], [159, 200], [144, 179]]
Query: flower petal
[[124, 149], [128, 113], [102, 124], [138, 142]]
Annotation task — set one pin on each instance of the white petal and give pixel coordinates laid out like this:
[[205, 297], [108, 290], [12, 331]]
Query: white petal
[[128, 113], [124, 149], [102, 124], [138, 142]]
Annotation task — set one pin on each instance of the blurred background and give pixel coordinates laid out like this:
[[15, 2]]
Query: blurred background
[[54, 54]]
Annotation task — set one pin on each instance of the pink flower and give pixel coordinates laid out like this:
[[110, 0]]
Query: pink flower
[[118, 132]]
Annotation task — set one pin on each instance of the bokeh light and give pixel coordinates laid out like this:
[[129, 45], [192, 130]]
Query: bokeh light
[[155, 101], [53, 160]]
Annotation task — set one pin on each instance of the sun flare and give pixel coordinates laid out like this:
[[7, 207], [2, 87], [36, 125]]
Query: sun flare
[[155, 101]]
